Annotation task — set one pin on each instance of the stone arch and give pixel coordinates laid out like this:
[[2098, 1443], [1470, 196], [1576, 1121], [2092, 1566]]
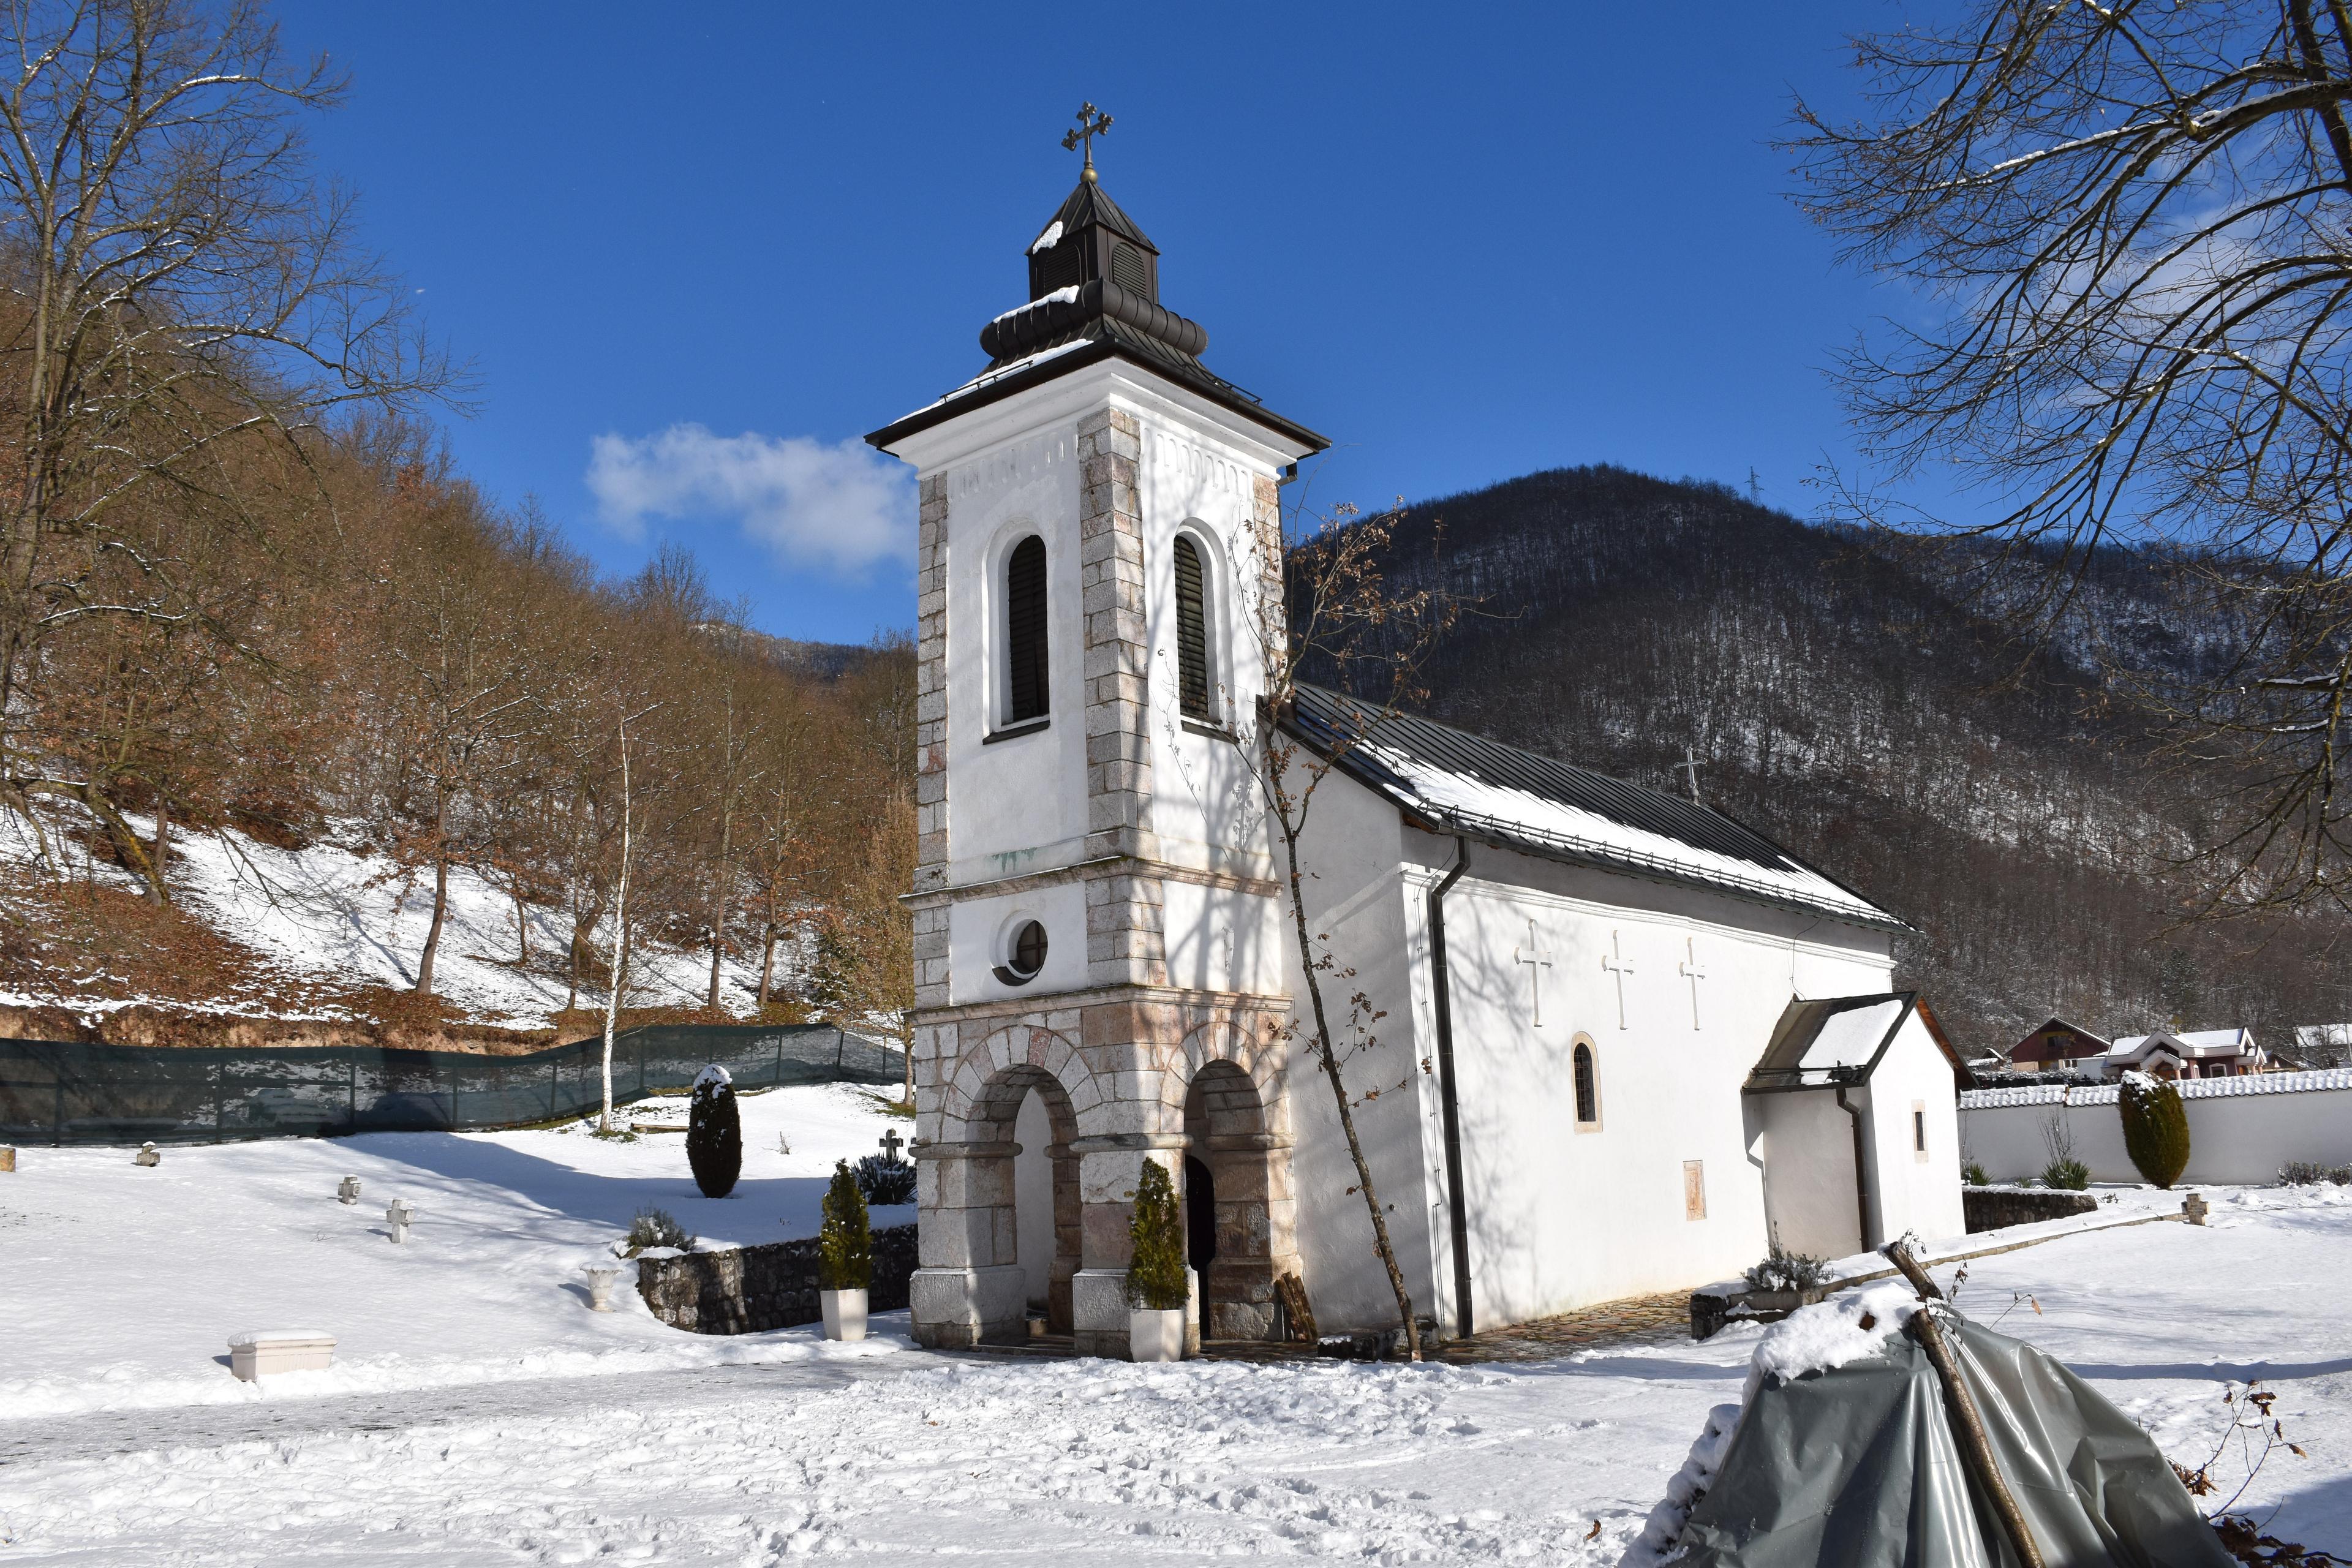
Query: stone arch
[[1236, 1124], [972, 1284]]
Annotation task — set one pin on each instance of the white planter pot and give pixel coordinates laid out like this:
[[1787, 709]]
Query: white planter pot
[[600, 1285], [845, 1313], [1155, 1336]]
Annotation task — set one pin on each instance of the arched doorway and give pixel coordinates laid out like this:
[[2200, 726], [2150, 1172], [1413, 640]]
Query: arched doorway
[[1026, 1110], [1231, 1199]]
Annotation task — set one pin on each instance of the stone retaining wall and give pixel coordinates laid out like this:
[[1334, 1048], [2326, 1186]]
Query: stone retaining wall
[[746, 1289], [1994, 1208]]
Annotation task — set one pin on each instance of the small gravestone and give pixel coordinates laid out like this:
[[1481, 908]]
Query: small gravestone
[[148, 1155], [399, 1215], [347, 1191], [258, 1353], [7, 1157]]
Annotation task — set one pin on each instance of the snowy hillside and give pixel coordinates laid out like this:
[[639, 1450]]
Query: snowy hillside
[[325, 923]]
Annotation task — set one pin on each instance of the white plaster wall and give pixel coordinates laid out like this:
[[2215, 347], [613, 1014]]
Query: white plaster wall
[[1032, 1196], [1806, 1141], [978, 929], [1916, 1193], [1223, 939], [1361, 895], [1019, 804], [1559, 1217], [2232, 1138]]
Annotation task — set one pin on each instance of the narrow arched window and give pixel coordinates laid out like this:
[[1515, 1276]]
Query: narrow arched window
[[1588, 1088], [1191, 630], [1024, 631]]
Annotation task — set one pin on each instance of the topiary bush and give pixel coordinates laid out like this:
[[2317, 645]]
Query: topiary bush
[[2156, 1127], [1156, 1280], [886, 1179], [845, 1242], [2069, 1175], [714, 1133]]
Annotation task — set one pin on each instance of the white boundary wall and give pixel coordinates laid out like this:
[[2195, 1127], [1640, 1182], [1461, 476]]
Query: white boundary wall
[[2240, 1129]]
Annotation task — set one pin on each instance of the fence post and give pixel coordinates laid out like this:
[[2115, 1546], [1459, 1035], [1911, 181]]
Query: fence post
[[220, 1070], [352, 1120], [777, 1081], [57, 1115], [554, 1082]]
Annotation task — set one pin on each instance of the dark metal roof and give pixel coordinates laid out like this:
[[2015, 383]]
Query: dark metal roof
[[1330, 723], [1104, 319], [1801, 1024]]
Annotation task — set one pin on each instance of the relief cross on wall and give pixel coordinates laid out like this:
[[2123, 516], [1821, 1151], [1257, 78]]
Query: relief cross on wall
[[1538, 960]]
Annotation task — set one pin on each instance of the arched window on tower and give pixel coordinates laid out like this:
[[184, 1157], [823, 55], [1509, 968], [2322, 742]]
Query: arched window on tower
[[1025, 695], [1588, 1088], [1191, 630]]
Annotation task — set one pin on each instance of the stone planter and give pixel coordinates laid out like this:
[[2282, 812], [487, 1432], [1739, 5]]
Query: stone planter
[[845, 1313], [1783, 1302], [258, 1353], [1155, 1335], [601, 1277]]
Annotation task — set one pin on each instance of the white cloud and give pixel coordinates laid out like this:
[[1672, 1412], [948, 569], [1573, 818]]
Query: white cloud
[[844, 507]]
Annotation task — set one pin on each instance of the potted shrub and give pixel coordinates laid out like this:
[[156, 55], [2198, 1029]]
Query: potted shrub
[[1158, 1283], [1786, 1280], [714, 1133], [844, 1257]]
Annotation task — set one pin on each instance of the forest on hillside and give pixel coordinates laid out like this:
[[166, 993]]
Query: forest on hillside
[[1844, 695], [367, 651]]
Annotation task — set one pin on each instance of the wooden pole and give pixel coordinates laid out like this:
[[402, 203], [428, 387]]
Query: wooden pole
[[1976, 1448]]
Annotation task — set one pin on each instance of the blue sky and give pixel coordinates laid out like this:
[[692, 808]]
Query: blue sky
[[692, 250]]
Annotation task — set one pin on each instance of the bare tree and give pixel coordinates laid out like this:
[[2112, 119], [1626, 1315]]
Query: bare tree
[[2130, 228], [620, 961], [1325, 606], [176, 286]]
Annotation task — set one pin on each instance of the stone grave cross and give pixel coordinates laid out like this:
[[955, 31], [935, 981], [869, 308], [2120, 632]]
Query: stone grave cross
[[1614, 962], [891, 1143], [1537, 960]]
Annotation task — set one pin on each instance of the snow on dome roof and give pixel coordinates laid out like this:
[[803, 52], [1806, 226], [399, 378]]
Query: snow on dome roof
[[1461, 782]]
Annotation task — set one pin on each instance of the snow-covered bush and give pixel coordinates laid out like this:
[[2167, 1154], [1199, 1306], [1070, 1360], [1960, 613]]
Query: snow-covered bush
[[655, 1228], [2156, 1127], [1784, 1271], [886, 1179], [2310, 1172], [1155, 1271], [1973, 1174], [2068, 1174], [845, 1242], [714, 1133]]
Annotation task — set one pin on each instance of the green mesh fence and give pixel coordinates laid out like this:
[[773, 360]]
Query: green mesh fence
[[55, 1091]]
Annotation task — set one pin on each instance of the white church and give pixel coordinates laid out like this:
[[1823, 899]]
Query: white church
[[1639, 1042]]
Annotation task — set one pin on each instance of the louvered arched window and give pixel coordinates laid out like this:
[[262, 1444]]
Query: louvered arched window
[[1025, 695], [1191, 630], [1588, 1088]]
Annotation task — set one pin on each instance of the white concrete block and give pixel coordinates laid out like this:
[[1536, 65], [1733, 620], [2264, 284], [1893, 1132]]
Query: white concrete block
[[258, 1353]]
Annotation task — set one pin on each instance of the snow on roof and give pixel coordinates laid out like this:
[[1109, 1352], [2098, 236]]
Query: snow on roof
[[1065, 295], [2191, 1042], [1466, 784], [2189, 1088], [1047, 240], [1850, 1037], [1830, 1040]]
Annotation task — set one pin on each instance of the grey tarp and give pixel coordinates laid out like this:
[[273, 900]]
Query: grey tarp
[[1859, 1467]]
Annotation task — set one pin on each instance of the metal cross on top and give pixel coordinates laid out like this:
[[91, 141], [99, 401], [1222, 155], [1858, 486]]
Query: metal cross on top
[[891, 1143], [1092, 123], [1537, 960]]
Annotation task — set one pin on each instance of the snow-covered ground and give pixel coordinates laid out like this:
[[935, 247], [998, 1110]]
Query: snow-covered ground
[[329, 915], [121, 1284], [1067, 1462]]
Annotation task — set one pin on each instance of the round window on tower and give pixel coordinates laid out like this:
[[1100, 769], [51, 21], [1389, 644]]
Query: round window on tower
[[1024, 954]]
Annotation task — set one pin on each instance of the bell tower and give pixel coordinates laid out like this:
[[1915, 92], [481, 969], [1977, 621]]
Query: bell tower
[[1097, 930]]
